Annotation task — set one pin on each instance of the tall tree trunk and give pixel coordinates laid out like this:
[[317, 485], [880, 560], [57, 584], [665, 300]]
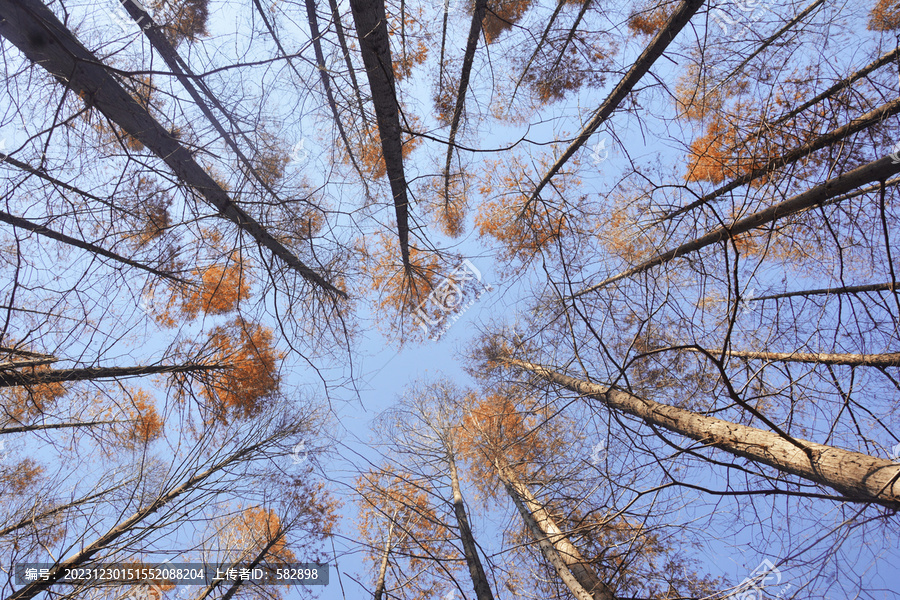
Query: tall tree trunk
[[385, 559], [856, 360], [9, 379], [858, 477], [468, 58], [33, 28], [371, 28], [854, 289], [639, 68], [92, 248], [470, 550], [878, 170], [560, 552], [873, 117]]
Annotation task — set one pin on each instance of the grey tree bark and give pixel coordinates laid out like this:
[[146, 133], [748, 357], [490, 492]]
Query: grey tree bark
[[859, 477]]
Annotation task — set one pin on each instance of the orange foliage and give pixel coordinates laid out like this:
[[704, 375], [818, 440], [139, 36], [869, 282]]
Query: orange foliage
[[255, 528], [27, 402], [153, 207], [569, 74], [240, 390], [146, 425], [521, 233], [22, 478], [221, 289], [369, 153], [400, 292], [885, 16], [388, 497], [414, 38], [181, 19], [648, 21], [720, 155], [502, 15], [497, 434], [449, 211]]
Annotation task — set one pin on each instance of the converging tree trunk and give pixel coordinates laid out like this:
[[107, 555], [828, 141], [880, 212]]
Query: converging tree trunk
[[571, 567], [858, 477]]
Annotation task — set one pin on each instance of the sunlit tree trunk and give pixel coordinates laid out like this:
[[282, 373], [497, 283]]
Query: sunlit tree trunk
[[571, 567], [859, 477], [854, 360]]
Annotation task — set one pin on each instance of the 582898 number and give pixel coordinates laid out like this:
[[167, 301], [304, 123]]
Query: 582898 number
[[296, 574]]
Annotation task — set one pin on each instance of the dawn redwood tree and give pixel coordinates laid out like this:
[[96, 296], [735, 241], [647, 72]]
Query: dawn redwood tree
[[424, 429]]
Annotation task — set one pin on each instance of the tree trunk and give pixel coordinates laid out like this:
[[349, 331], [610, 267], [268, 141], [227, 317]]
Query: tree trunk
[[639, 68], [385, 558], [873, 117], [371, 28], [856, 289], [9, 379], [877, 170], [471, 46], [856, 360], [92, 248], [859, 477], [570, 565], [470, 550], [41, 37]]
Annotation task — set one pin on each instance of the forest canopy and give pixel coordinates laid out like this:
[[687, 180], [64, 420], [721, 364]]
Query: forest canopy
[[441, 299]]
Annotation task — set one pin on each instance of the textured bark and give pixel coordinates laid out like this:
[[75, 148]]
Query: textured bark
[[858, 477], [873, 117], [891, 359], [470, 550], [9, 379], [468, 58], [878, 170], [92, 248], [46, 426], [648, 57], [385, 559], [42, 38], [854, 289], [371, 28], [560, 552]]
